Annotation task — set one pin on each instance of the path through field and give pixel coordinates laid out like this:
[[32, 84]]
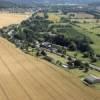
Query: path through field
[[23, 77]]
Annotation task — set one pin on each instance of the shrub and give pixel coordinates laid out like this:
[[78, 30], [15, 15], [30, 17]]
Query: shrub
[[94, 59], [38, 53], [58, 62], [85, 54], [86, 66], [72, 46], [77, 63], [43, 53], [48, 59]]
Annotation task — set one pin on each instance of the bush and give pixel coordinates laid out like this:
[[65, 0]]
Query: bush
[[58, 63], [94, 59], [98, 55], [77, 63], [49, 59], [37, 53], [85, 54], [86, 70], [81, 67], [86, 66], [72, 46], [43, 53]]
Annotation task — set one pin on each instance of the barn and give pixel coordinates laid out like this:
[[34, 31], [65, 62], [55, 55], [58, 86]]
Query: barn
[[91, 79]]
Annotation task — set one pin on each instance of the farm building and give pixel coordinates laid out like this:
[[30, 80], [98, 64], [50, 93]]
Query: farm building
[[92, 79], [65, 66]]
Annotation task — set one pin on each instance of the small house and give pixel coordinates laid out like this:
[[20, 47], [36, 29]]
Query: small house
[[90, 80], [65, 66], [46, 44]]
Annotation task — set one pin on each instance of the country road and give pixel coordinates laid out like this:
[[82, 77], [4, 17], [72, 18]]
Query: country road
[[23, 77]]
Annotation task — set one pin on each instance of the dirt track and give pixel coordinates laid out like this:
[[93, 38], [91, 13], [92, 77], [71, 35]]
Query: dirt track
[[23, 77]]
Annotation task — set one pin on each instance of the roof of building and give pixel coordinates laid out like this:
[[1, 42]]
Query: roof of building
[[91, 79]]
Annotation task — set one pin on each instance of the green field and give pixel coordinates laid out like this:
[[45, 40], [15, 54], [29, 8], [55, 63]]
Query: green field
[[93, 31], [89, 27]]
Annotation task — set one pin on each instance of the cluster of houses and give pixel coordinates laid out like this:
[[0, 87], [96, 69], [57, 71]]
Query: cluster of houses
[[49, 47], [52, 47]]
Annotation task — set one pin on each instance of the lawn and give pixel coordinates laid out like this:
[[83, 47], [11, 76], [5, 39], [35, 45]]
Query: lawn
[[78, 55], [57, 58], [81, 74]]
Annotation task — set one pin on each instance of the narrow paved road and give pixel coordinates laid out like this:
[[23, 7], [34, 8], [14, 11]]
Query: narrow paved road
[[23, 77]]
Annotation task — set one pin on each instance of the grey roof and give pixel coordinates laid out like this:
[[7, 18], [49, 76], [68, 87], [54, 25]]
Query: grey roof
[[92, 79]]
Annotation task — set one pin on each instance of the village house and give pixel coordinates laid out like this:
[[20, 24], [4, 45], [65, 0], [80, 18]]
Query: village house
[[91, 79]]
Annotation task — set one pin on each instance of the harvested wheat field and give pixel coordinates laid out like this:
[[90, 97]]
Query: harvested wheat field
[[12, 18], [23, 77]]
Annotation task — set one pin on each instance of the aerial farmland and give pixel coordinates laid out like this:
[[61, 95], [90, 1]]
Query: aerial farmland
[[49, 50], [29, 78]]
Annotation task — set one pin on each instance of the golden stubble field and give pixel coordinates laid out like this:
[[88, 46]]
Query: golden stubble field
[[23, 77], [12, 18]]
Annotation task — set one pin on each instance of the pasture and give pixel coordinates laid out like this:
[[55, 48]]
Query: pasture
[[93, 31]]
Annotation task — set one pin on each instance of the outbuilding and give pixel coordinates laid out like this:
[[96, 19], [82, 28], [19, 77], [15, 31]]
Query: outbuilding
[[91, 80]]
